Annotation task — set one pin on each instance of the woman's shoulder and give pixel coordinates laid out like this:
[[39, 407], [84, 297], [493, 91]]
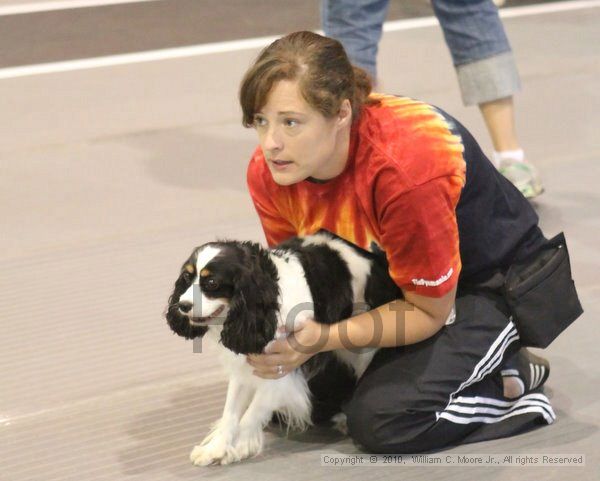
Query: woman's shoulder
[[399, 120], [411, 139]]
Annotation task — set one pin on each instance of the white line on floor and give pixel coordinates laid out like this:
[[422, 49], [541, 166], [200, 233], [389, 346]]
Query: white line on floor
[[64, 5], [255, 43]]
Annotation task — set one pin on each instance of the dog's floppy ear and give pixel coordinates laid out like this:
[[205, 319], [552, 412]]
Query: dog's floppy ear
[[252, 318]]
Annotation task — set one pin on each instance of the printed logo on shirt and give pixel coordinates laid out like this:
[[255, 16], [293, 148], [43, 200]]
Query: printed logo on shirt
[[427, 283]]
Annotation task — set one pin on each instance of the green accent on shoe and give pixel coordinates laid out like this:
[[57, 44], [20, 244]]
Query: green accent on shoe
[[523, 175]]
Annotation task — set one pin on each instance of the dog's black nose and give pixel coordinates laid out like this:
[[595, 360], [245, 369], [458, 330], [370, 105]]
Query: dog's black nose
[[185, 306]]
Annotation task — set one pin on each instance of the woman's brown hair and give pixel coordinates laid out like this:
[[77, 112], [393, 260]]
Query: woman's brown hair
[[322, 68]]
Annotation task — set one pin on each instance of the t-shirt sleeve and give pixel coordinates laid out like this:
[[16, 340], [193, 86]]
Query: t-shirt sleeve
[[419, 234], [275, 226]]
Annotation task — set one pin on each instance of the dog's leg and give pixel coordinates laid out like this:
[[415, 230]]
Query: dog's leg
[[287, 394], [221, 439], [250, 437]]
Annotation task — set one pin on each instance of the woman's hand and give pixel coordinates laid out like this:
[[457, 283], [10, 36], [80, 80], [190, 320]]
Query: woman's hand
[[287, 352]]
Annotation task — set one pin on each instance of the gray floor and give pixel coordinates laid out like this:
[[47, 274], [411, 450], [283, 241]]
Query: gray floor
[[108, 178]]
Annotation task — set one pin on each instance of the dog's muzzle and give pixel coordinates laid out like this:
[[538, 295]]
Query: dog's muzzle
[[186, 308], [180, 321]]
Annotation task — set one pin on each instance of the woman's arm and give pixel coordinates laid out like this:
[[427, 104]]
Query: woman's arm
[[396, 323], [393, 324]]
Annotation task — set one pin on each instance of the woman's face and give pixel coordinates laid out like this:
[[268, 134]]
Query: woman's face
[[298, 141]]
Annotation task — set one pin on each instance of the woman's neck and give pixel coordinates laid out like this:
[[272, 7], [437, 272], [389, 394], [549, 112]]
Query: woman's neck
[[339, 158]]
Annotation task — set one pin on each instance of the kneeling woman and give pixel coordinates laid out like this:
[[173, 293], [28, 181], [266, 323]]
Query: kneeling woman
[[397, 175]]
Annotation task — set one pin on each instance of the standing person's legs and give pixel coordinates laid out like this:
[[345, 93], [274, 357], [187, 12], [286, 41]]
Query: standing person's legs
[[480, 49], [446, 390], [499, 116], [357, 24], [488, 76]]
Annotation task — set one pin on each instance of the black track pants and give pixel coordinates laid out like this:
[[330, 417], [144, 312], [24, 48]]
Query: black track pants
[[446, 390]]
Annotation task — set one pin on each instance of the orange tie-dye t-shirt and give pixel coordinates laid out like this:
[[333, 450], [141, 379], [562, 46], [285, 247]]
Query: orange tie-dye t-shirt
[[398, 193]]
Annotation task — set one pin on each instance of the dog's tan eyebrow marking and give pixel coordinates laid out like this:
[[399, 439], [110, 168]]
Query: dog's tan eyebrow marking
[[205, 273], [189, 268]]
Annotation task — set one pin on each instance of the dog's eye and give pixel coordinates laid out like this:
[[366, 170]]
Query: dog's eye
[[186, 276], [210, 284]]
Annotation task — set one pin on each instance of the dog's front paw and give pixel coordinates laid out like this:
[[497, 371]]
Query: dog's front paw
[[248, 444], [217, 451], [212, 452]]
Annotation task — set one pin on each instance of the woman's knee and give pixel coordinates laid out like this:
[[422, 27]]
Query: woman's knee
[[380, 430], [362, 428]]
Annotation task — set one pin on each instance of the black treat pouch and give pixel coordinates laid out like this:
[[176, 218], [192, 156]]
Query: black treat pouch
[[541, 294]]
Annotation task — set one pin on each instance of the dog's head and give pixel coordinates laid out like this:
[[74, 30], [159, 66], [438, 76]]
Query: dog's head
[[228, 284]]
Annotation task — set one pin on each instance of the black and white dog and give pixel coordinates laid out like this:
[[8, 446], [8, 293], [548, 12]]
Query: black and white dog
[[238, 294]]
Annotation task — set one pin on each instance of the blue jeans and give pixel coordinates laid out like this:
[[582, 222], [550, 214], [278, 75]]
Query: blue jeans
[[473, 31]]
